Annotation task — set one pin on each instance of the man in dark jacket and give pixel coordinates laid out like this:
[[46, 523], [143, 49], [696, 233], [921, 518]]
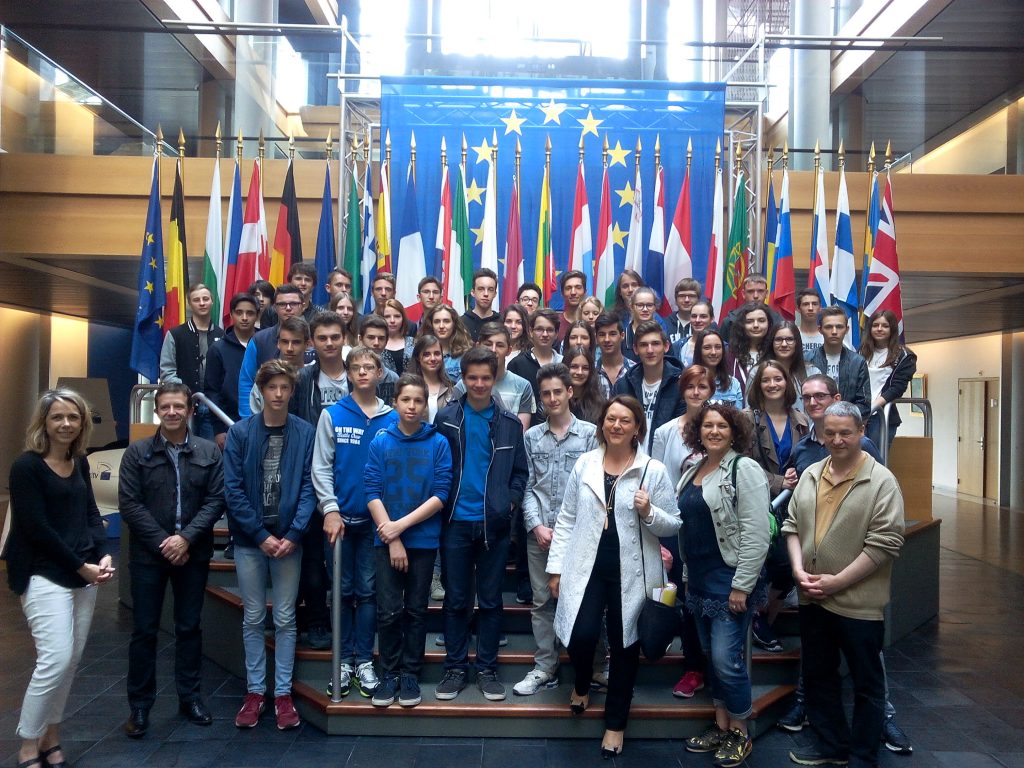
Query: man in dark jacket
[[170, 493], [655, 382], [225, 361], [489, 474], [845, 366]]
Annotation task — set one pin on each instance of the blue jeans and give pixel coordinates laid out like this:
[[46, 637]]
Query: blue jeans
[[724, 640], [202, 422], [358, 593], [252, 567], [464, 552]]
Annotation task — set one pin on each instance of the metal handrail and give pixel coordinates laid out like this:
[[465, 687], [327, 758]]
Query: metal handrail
[[200, 397], [926, 406], [336, 622]]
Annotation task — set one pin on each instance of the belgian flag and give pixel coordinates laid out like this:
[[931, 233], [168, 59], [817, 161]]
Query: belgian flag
[[177, 258]]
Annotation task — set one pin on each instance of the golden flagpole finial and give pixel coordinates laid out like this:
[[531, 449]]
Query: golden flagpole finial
[[636, 154], [412, 154], [181, 143], [547, 151], [604, 151], [718, 153], [494, 147], [888, 153], [785, 154], [842, 155], [444, 153], [217, 136], [465, 148], [582, 134], [239, 146], [158, 150], [262, 146], [329, 144]]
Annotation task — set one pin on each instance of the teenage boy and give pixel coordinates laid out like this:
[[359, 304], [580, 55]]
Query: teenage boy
[[407, 481], [688, 292], [489, 477], [573, 286], [383, 288], [292, 340], [543, 330], [373, 333], [270, 501], [287, 303], [185, 350], [844, 365], [551, 451], [170, 493], [613, 365], [528, 297], [343, 436], [655, 381], [808, 305], [428, 291], [484, 291], [338, 281], [303, 276], [224, 361], [642, 304], [321, 385], [702, 316], [513, 391]]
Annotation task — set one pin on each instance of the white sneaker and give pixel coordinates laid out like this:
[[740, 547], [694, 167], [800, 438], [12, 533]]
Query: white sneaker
[[535, 680], [436, 590], [346, 680], [366, 679]]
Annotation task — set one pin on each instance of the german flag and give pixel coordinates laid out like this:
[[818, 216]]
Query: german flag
[[177, 258], [287, 248]]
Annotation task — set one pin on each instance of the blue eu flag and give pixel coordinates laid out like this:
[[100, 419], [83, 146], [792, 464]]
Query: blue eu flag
[[148, 333]]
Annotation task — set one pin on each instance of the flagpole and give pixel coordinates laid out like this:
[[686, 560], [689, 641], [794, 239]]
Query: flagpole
[[762, 264], [888, 156], [744, 247], [158, 154], [543, 281], [515, 177], [238, 149], [814, 204], [181, 157], [412, 155], [657, 153]]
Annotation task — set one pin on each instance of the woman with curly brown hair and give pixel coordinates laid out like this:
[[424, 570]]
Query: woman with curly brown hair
[[443, 323]]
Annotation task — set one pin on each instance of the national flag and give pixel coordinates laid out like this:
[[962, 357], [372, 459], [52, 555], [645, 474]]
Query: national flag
[[678, 247], [263, 262], [715, 288], [460, 275], [383, 227], [843, 280], [287, 237], [213, 254], [252, 250], [771, 233], [604, 265], [737, 260], [177, 259], [871, 219], [634, 241], [654, 271], [818, 275], [489, 246], [412, 263], [147, 333], [369, 266], [513, 251], [581, 250], [883, 291], [325, 258], [544, 266], [782, 292], [233, 235], [443, 238]]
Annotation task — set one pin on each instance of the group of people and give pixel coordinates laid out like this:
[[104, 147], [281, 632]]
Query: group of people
[[604, 450]]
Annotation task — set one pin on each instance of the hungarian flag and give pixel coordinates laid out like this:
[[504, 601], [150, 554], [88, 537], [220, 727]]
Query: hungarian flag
[[177, 259], [412, 262], [604, 266], [843, 280], [287, 238], [883, 291], [252, 250], [817, 275], [678, 263], [654, 273], [383, 227], [581, 250], [737, 259], [325, 259], [460, 277], [147, 333], [233, 241], [781, 281], [715, 288], [513, 251], [443, 239], [213, 255], [544, 266], [369, 266]]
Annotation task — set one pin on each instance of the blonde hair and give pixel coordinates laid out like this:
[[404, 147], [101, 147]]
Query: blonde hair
[[36, 439]]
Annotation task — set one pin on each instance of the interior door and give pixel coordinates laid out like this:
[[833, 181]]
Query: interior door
[[970, 461]]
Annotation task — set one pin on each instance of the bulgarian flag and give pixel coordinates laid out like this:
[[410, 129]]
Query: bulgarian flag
[[213, 255]]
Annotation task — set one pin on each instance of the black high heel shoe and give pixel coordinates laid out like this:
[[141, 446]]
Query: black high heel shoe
[[578, 704], [47, 752], [608, 751]]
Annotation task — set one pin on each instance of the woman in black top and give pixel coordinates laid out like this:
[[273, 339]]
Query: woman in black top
[[54, 555]]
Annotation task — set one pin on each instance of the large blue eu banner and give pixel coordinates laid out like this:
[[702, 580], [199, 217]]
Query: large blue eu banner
[[564, 110]]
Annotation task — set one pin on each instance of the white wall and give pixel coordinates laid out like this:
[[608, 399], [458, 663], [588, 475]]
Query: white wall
[[945, 363]]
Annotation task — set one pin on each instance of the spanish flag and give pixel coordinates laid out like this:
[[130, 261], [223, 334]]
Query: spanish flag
[[177, 259]]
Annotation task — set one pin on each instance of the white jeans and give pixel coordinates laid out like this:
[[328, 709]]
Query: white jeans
[[59, 619]]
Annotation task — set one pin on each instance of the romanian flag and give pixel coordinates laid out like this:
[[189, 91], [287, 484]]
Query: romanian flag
[[177, 259], [544, 267], [771, 233], [147, 333], [287, 238]]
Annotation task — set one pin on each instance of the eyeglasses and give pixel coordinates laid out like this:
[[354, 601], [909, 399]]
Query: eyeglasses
[[818, 397], [783, 340], [366, 368], [644, 305], [543, 331], [287, 304]]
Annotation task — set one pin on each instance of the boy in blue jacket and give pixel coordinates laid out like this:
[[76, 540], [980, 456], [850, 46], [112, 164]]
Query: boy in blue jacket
[[343, 437], [408, 476]]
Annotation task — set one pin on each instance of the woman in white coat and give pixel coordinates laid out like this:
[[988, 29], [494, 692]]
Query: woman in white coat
[[605, 555]]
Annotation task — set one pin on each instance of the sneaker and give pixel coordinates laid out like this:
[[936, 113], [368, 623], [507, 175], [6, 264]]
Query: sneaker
[[319, 639], [409, 691], [814, 755], [287, 717], [535, 680], [366, 679], [252, 707], [524, 594], [229, 551], [439, 640], [795, 719], [734, 750], [451, 685], [709, 741], [895, 739], [764, 635], [346, 681], [503, 639], [688, 684], [490, 686], [436, 589], [384, 694], [599, 682]]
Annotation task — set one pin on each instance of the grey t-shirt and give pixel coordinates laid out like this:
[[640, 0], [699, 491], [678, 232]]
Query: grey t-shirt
[[271, 491]]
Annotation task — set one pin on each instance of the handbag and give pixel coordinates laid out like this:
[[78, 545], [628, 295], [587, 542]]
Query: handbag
[[658, 623]]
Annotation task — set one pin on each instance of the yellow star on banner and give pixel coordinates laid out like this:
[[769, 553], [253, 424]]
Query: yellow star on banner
[[479, 232], [160, 321], [512, 123], [152, 263], [626, 195], [149, 238], [619, 236], [618, 154], [483, 152], [553, 112], [474, 194], [149, 287], [589, 123]]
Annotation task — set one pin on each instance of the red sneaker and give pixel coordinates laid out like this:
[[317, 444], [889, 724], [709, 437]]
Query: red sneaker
[[688, 685], [287, 717], [252, 707]]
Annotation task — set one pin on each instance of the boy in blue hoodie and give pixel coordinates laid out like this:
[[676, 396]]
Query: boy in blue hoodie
[[407, 480], [343, 437]]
